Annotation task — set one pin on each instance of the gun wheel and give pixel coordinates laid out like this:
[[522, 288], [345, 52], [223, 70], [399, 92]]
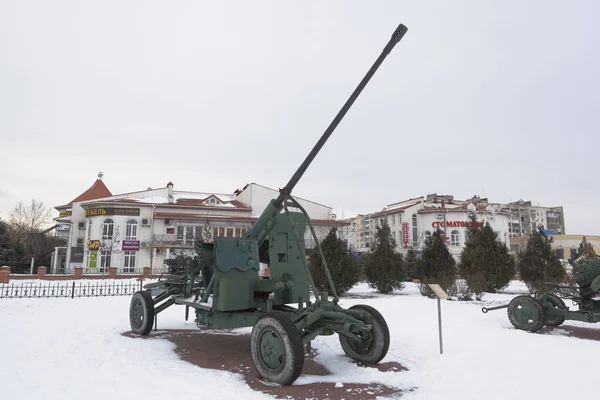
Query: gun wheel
[[526, 313], [276, 347], [141, 312], [375, 347], [557, 303]]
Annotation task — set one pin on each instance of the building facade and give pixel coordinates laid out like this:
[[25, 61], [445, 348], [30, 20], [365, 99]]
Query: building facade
[[526, 218], [412, 221], [565, 246], [133, 230]]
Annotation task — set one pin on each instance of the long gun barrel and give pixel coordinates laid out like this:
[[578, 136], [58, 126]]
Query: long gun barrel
[[396, 37], [261, 228]]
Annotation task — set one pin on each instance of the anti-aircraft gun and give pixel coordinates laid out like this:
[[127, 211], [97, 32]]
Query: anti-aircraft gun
[[531, 313], [226, 291]]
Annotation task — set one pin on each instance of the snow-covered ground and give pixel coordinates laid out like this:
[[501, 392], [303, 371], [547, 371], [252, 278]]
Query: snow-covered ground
[[73, 349]]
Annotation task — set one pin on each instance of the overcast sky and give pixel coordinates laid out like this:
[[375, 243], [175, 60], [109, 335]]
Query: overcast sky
[[499, 99]]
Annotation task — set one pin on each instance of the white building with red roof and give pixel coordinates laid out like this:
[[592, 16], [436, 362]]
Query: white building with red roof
[[133, 230], [412, 221]]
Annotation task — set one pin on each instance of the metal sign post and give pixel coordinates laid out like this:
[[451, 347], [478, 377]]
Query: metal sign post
[[439, 294]]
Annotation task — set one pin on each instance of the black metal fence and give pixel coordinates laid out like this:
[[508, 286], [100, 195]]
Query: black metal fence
[[58, 289]]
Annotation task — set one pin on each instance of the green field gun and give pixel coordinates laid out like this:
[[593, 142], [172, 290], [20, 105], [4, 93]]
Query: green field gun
[[225, 289], [531, 313]]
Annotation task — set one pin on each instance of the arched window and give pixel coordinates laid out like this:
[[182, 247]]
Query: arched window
[[415, 232], [108, 228], [454, 238], [131, 230]]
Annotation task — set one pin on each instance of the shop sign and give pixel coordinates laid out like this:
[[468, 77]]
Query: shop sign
[[76, 254], [93, 244], [134, 212], [131, 245], [93, 258], [405, 233], [454, 224], [64, 214]]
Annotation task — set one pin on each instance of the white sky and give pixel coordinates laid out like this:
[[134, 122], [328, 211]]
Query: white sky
[[497, 99]]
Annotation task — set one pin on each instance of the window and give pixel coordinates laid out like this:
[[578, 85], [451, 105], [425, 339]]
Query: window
[[212, 200], [89, 232], [560, 254], [454, 238], [105, 260], [131, 230], [129, 264], [107, 229], [189, 233], [414, 231], [573, 254], [229, 232]]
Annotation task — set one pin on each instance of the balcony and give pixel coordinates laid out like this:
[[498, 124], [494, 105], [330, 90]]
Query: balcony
[[173, 241]]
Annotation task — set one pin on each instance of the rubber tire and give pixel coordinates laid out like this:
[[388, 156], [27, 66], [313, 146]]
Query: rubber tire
[[145, 297], [539, 323], [558, 303], [292, 341], [381, 339]]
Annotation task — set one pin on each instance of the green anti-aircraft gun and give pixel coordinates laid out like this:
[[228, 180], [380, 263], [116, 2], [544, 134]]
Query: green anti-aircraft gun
[[531, 313], [227, 292]]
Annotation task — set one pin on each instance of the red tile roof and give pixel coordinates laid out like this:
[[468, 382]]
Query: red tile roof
[[96, 191], [394, 210]]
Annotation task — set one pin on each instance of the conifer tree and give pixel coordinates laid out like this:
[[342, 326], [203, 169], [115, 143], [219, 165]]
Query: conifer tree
[[436, 264], [585, 252], [344, 268], [485, 263], [384, 267], [538, 263], [410, 260], [6, 250]]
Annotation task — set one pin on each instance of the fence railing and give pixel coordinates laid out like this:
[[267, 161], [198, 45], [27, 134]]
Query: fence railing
[[68, 289], [120, 271]]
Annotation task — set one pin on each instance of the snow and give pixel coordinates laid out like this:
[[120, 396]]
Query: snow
[[73, 348]]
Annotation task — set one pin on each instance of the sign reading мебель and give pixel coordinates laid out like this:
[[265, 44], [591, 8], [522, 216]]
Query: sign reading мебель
[[92, 212], [131, 245]]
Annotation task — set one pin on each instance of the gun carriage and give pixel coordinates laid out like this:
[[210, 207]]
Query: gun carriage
[[226, 292], [531, 313]]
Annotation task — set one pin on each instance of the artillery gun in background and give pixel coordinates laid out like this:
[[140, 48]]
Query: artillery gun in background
[[531, 313], [226, 291]]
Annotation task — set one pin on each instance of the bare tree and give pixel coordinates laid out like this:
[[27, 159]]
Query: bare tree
[[26, 218]]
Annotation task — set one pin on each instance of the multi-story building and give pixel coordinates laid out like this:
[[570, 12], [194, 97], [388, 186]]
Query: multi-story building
[[144, 228], [527, 218]]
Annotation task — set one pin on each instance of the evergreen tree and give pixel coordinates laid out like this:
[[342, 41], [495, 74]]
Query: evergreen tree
[[410, 260], [436, 264], [6, 250], [384, 267], [344, 268], [585, 252], [538, 263], [485, 263]]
